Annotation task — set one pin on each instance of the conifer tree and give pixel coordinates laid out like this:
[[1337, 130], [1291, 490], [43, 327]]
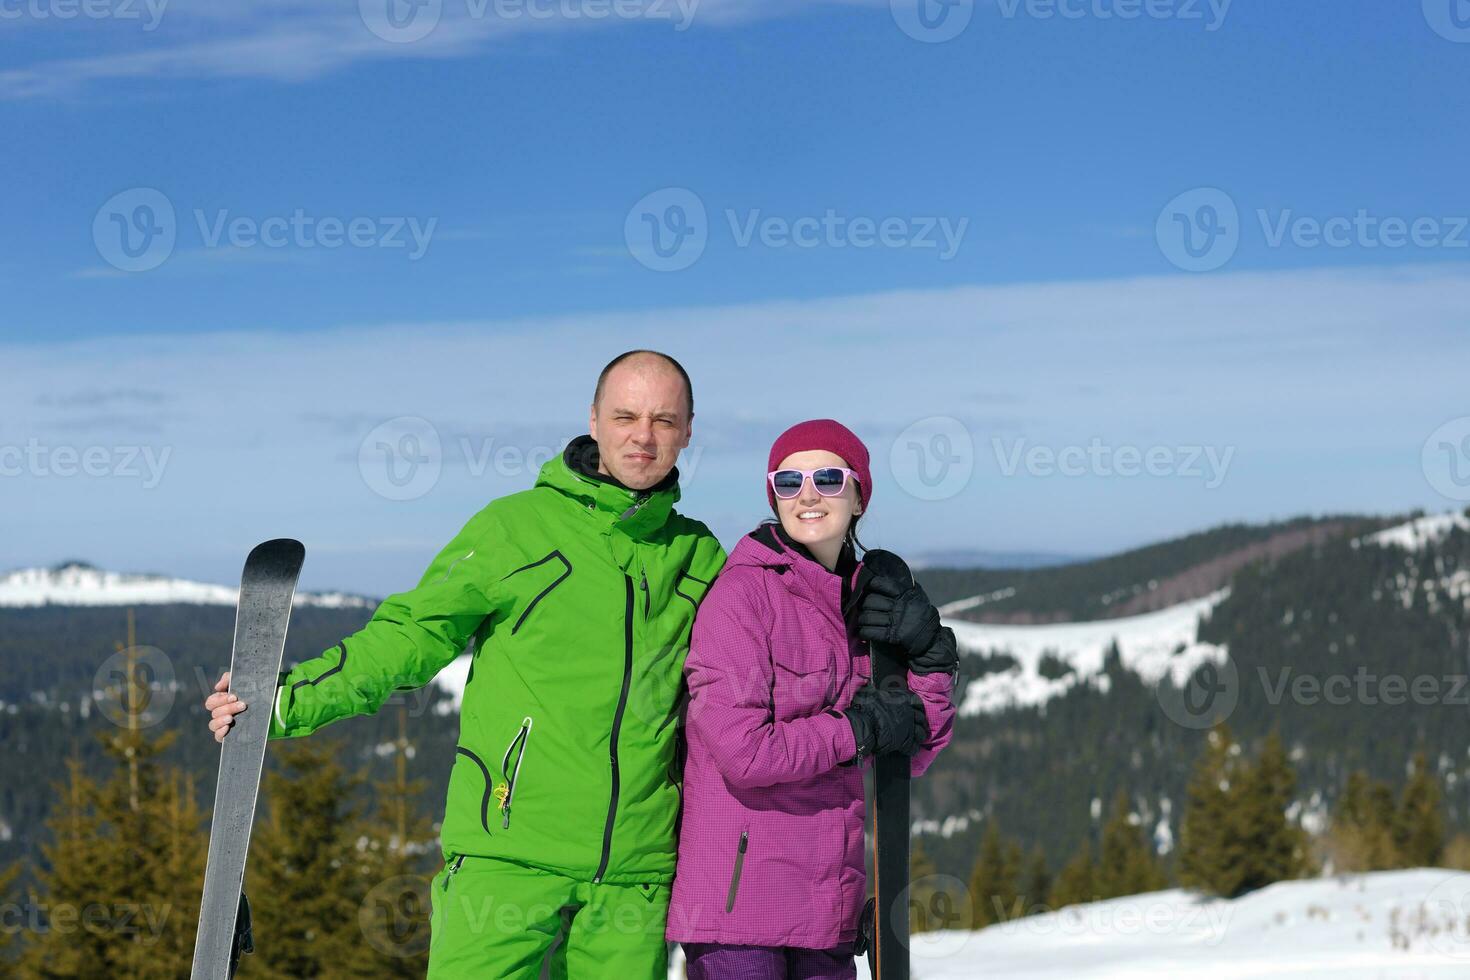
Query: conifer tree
[[1205, 827], [1126, 864], [1419, 833], [993, 881], [1076, 882]]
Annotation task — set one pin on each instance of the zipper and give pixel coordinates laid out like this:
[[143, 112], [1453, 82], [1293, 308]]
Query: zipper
[[617, 724], [453, 867], [735, 875], [645, 596], [507, 790], [638, 501]]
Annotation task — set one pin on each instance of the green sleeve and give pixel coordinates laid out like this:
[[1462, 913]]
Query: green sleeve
[[411, 637]]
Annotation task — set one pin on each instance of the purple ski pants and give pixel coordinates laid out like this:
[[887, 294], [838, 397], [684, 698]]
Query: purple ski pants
[[716, 961]]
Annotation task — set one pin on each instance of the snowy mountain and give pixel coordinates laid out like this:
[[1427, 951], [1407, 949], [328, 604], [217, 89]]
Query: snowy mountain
[[80, 584]]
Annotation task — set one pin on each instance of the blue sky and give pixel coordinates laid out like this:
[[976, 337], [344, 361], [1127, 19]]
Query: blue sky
[[988, 231]]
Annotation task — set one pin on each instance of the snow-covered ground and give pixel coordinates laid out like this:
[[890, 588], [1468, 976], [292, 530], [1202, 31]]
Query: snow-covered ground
[[83, 585], [1151, 645], [1391, 924]]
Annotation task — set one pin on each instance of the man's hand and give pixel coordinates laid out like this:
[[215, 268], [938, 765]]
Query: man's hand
[[222, 707]]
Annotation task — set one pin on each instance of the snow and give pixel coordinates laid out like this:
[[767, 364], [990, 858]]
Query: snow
[[1150, 644], [1414, 535], [1389, 924], [78, 584]]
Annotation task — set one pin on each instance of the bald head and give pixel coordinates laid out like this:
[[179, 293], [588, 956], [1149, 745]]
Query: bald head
[[641, 413]]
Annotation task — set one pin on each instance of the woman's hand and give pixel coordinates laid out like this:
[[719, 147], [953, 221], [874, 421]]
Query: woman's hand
[[898, 613]]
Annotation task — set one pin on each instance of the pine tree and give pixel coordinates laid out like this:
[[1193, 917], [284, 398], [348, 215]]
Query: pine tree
[[305, 877], [1361, 836], [993, 881], [1038, 884], [120, 886], [1205, 827], [1419, 833], [1126, 864], [399, 860], [1076, 882], [1267, 846]]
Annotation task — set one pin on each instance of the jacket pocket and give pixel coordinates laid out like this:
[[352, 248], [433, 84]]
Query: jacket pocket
[[485, 784], [735, 872], [690, 589], [505, 792], [556, 563]]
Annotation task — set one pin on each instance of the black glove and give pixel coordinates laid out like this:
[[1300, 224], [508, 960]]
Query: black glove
[[942, 657], [887, 722], [898, 613]]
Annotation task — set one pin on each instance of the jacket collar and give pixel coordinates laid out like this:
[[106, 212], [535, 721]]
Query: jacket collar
[[771, 546], [636, 512]]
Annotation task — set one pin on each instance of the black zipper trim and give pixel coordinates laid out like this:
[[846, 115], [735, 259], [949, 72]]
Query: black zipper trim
[[617, 724], [684, 596], [646, 601], [735, 875], [485, 799], [453, 867], [542, 594], [522, 737], [334, 669]]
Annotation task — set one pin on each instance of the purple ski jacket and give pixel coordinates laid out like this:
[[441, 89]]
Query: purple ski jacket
[[771, 836]]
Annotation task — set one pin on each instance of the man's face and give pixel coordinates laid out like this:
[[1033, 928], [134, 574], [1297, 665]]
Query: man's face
[[641, 422]]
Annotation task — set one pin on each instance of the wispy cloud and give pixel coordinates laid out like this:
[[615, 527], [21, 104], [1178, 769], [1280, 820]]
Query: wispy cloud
[[297, 40]]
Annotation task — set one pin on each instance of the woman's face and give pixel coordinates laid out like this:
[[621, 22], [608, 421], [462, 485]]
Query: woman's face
[[809, 517]]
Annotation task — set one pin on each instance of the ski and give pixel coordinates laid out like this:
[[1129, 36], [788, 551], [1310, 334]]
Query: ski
[[267, 586], [889, 954]]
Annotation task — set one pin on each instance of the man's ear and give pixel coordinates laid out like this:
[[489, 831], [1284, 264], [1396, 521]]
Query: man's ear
[[688, 432], [592, 421]]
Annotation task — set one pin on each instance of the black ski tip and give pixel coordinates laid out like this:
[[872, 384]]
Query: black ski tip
[[282, 556]]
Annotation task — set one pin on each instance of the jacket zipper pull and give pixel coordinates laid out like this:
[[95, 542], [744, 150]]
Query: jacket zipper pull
[[459, 859], [645, 594]]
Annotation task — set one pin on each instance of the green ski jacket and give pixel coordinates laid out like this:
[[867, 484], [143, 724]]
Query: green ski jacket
[[576, 599]]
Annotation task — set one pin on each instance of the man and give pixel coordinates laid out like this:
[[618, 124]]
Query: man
[[577, 598]]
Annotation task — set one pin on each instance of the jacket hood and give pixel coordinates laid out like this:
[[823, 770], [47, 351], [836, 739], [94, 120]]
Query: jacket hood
[[770, 547], [636, 512]]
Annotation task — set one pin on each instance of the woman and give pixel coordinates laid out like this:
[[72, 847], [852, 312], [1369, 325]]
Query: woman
[[770, 880]]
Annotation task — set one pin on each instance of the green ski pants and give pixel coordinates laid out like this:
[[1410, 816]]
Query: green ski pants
[[493, 918]]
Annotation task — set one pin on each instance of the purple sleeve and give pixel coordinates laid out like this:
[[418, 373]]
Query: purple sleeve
[[730, 708], [936, 691]]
